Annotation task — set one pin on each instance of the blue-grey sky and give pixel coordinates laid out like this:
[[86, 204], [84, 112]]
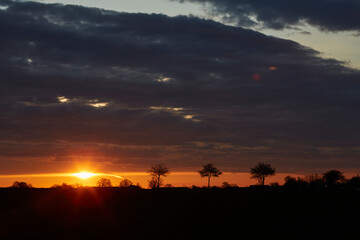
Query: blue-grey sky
[[340, 45], [144, 6]]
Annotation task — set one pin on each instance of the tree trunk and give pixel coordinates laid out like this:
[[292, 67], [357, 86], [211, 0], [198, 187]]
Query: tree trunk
[[209, 181]]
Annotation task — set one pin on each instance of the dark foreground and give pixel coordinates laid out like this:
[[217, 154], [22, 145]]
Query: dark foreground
[[112, 213]]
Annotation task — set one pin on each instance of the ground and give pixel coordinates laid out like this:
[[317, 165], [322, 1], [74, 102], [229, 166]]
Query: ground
[[178, 213]]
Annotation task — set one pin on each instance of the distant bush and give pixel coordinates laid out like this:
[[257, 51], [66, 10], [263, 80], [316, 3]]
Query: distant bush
[[125, 183], [274, 185], [104, 182], [63, 186], [228, 185], [17, 184]]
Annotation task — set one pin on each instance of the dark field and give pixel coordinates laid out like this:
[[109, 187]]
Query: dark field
[[239, 213]]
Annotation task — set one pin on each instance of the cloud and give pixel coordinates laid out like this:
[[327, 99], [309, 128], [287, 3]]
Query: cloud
[[134, 89], [335, 15]]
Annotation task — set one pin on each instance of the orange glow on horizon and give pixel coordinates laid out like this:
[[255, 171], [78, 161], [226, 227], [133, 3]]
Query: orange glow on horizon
[[84, 175], [82, 178], [176, 179]]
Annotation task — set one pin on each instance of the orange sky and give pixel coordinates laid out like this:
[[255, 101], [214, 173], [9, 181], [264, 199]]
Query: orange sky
[[177, 179]]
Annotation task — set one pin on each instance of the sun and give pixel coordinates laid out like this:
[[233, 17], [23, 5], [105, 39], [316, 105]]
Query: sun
[[84, 175]]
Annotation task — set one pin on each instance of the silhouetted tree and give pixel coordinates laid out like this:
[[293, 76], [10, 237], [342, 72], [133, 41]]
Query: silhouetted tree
[[333, 177], [315, 181], [17, 184], [261, 171], [154, 182], [157, 171], [291, 182], [209, 171], [124, 183], [103, 182], [355, 181]]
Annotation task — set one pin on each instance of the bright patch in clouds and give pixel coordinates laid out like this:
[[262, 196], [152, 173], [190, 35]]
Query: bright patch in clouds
[[63, 99], [167, 109], [93, 103], [175, 111], [188, 116], [98, 104], [163, 79]]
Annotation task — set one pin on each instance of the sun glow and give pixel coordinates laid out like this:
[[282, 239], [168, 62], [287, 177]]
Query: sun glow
[[84, 175]]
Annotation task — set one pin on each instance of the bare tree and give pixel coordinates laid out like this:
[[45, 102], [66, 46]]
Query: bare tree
[[103, 182], [157, 172], [153, 182], [261, 171], [209, 171], [125, 183]]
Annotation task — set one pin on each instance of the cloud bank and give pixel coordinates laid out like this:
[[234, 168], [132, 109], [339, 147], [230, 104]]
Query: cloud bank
[[130, 90], [334, 15]]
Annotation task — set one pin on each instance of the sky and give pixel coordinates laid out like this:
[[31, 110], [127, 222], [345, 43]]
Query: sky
[[330, 44], [117, 86]]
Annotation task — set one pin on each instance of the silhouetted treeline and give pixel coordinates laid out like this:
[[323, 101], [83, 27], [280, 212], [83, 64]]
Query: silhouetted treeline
[[330, 179], [178, 213]]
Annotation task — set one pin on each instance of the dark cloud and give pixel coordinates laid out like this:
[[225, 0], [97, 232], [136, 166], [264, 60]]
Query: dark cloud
[[334, 15], [134, 89]]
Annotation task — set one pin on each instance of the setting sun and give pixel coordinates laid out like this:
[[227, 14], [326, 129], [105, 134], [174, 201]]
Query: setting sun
[[84, 175]]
